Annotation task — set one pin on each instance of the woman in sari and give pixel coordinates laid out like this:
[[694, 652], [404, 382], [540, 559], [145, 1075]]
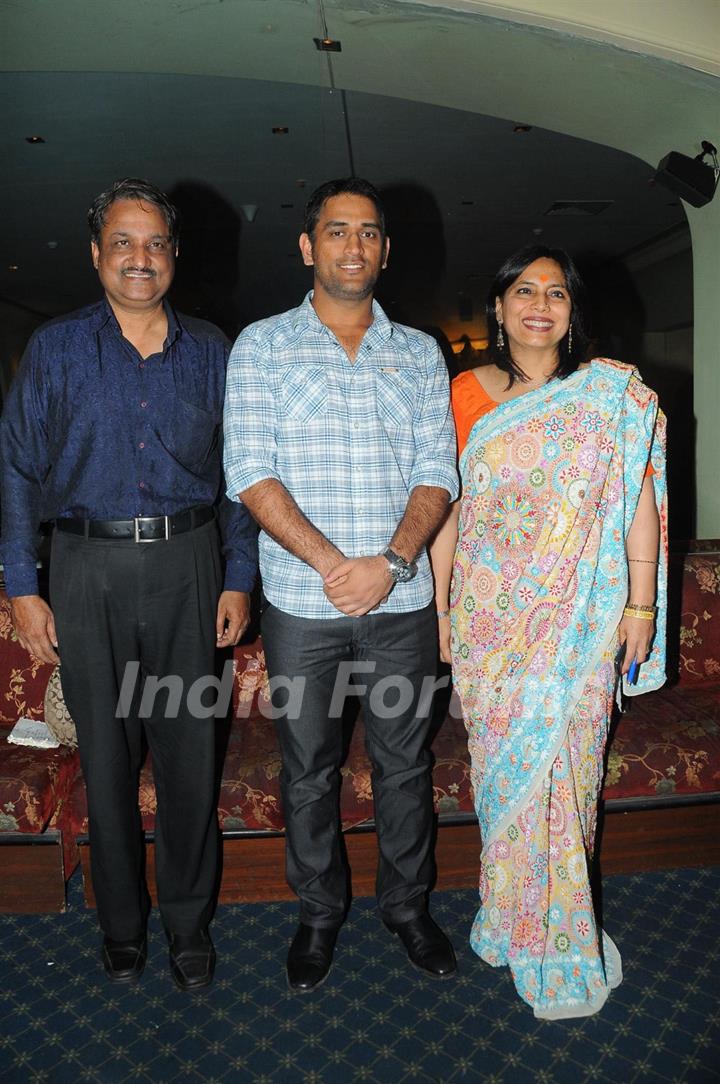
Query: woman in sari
[[550, 579]]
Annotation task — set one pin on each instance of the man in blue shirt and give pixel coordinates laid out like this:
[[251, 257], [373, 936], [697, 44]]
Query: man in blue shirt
[[340, 441], [112, 429]]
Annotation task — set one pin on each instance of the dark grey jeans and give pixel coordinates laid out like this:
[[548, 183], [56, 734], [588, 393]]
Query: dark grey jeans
[[394, 658]]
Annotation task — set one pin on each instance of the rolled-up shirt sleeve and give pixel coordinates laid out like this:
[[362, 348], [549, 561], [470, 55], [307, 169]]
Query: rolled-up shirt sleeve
[[250, 417], [25, 460], [434, 430]]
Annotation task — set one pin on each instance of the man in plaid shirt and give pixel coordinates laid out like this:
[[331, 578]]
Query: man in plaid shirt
[[340, 442]]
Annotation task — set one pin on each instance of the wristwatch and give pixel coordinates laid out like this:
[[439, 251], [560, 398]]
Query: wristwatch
[[402, 571]]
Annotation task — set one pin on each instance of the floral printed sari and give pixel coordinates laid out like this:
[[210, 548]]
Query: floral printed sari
[[551, 481]]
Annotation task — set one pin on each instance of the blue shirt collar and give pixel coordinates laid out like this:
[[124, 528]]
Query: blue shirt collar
[[380, 330], [104, 315]]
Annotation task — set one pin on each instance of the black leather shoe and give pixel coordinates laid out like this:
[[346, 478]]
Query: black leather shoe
[[427, 946], [310, 957], [124, 960], [192, 960]]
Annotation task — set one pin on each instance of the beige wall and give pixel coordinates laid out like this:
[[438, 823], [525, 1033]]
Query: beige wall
[[684, 31]]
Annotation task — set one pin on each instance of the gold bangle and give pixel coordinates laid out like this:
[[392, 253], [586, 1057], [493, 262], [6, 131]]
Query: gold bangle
[[648, 607], [643, 615], [640, 561]]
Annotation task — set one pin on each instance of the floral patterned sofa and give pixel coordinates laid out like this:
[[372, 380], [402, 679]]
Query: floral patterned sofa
[[35, 785], [660, 797]]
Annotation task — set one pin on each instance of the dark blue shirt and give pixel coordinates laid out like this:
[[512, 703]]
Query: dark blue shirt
[[92, 429]]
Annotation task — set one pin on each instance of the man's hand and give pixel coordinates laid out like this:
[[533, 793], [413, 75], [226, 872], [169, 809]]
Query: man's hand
[[233, 617], [357, 585], [35, 627]]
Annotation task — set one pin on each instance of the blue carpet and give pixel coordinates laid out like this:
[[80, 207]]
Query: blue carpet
[[376, 1019]]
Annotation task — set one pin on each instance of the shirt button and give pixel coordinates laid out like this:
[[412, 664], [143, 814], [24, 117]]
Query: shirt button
[[143, 404], [142, 364], [142, 485], [141, 444], [356, 425]]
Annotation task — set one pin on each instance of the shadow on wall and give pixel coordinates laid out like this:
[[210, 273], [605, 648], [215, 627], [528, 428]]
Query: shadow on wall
[[408, 287], [620, 327], [207, 269]]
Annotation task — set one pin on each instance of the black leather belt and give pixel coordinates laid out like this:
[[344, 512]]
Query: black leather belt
[[140, 529]]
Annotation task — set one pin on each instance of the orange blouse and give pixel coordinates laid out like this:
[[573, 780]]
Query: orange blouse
[[470, 401]]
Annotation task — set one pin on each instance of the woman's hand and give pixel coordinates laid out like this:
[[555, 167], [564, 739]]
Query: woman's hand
[[636, 634], [444, 638]]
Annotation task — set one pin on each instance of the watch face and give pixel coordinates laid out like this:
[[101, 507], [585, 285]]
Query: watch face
[[400, 570]]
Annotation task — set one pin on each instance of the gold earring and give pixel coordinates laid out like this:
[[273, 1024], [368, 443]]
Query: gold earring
[[500, 338]]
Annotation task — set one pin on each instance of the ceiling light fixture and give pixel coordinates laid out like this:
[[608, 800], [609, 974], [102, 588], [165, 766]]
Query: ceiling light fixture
[[521, 129], [13, 267], [328, 45], [34, 139], [280, 130]]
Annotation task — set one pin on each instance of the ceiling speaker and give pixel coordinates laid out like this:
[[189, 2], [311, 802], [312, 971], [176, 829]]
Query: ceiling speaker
[[690, 178]]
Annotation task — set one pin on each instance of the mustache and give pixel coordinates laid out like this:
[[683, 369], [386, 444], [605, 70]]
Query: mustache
[[138, 271]]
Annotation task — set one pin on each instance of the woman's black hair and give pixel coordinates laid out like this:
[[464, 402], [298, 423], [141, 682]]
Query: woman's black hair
[[512, 268]]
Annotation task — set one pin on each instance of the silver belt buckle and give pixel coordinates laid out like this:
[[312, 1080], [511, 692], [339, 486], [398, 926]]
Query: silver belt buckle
[[142, 519]]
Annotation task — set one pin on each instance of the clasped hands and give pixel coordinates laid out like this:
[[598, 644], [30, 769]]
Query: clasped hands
[[358, 585]]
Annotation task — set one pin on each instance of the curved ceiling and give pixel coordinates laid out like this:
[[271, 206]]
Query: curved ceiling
[[187, 91], [687, 33]]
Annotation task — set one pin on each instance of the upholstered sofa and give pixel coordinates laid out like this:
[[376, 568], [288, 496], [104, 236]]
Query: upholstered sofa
[[661, 795]]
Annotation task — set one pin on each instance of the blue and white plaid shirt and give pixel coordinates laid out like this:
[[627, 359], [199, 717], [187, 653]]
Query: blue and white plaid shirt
[[349, 441]]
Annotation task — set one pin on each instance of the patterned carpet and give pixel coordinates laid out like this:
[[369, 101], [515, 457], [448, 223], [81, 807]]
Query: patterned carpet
[[376, 1019]]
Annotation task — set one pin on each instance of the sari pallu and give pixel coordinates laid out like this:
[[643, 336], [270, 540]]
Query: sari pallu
[[551, 481]]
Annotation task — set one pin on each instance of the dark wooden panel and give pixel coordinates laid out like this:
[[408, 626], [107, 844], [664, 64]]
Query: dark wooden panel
[[32, 880], [254, 869], [457, 853], [647, 839]]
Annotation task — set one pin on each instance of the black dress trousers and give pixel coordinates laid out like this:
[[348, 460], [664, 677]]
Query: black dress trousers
[[124, 608]]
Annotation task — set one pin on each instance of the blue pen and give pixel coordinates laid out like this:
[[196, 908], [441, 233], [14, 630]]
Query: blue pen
[[632, 672]]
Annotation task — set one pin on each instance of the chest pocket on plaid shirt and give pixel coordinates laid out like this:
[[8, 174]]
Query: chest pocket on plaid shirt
[[303, 394], [397, 394]]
